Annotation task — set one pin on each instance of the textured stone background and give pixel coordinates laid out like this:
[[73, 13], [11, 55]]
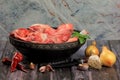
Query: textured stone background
[[100, 17]]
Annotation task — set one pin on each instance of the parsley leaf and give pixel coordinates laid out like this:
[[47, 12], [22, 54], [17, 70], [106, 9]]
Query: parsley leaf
[[82, 38]]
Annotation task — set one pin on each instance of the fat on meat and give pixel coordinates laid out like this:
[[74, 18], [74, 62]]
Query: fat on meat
[[38, 27], [37, 37]]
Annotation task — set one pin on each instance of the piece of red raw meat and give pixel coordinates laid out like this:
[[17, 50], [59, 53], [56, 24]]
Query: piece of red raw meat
[[20, 33], [50, 31], [72, 39], [37, 37], [41, 33], [64, 32], [61, 34], [65, 27]]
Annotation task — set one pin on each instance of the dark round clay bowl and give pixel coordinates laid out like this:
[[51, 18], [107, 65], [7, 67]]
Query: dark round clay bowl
[[45, 52]]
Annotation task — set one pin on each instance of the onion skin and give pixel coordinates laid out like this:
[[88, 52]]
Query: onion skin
[[91, 50]]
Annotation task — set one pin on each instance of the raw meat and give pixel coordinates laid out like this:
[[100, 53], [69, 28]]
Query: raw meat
[[72, 39], [41, 33], [20, 33]]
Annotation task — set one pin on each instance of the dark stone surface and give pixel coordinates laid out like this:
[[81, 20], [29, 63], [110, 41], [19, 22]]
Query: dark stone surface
[[100, 18]]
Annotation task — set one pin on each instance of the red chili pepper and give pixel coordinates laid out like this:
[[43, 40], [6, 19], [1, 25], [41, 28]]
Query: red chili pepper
[[18, 57], [7, 61]]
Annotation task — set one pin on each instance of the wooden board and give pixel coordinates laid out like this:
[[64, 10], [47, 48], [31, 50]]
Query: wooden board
[[70, 73]]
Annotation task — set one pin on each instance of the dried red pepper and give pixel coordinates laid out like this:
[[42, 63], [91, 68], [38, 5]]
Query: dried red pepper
[[7, 61], [18, 57]]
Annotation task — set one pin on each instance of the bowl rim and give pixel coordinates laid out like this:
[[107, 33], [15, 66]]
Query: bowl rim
[[27, 42], [63, 46]]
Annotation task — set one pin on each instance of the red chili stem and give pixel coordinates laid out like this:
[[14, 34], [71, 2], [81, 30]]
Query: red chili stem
[[21, 67]]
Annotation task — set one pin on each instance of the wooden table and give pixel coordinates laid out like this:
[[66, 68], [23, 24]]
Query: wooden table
[[69, 73]]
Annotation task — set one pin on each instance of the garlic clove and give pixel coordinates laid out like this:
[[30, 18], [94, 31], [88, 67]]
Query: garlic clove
[[49, 68], [42, 69], [83, 66], [32, 65]]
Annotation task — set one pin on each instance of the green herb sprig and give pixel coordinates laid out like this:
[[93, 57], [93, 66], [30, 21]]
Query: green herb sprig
[[82, 37]]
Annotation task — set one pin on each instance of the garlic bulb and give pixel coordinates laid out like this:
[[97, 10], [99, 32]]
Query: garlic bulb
[[94, 61]]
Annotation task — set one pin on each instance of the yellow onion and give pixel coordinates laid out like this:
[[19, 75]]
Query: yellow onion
[[107, 57], [92, 49]]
